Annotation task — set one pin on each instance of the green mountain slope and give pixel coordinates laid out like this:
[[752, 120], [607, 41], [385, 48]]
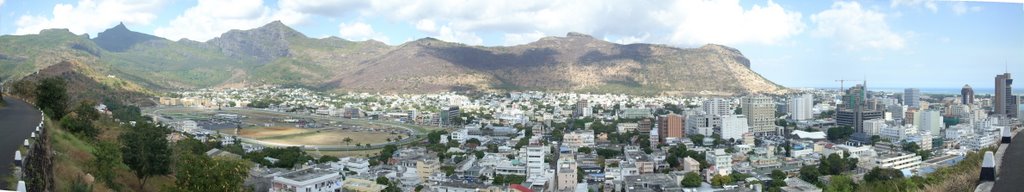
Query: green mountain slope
[[276, 54]]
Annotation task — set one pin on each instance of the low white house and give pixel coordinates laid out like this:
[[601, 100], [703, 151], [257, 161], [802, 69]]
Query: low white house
[[307, 180]]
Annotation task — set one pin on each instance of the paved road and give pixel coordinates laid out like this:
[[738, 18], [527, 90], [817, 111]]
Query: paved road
[[17, 121], [1011, 173]]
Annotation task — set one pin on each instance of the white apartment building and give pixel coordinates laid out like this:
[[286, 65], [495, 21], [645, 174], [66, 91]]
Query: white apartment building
[[928, 120], [896, 133], [576, 139], [702, 124], [721, 161], [307, 180], [801, 107], [535, 166], [733, 127], [716, 106], [873, 126], [899, 161]]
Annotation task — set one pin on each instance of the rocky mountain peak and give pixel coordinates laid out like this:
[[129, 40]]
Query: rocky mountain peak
[[120, 38], [265, 43]]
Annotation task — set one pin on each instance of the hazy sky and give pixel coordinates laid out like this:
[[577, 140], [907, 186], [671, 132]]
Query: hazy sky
[[906, 43]]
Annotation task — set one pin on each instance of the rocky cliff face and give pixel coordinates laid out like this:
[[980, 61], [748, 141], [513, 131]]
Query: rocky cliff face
[[276, 54]]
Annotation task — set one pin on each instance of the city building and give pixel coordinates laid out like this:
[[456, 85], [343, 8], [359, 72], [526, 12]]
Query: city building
[[582, 108], [967, 95], [801, 107], [716, 106], [733, 127], [426, 167], [671, 126], [1004, 103], [310, 179], [535, 153], [579, 138], [855, 110], [873, 126], [899, 161], [912, 97], [720, 161], [928, 120], [760, 112], [566, 173], [359, 185]]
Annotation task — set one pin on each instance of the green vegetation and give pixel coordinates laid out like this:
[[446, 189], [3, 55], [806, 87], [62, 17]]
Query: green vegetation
[[197, 172], [690, 180], [145, 150], [836, 134], [500, 179], [286, 157], [52, 97], [835, 164]]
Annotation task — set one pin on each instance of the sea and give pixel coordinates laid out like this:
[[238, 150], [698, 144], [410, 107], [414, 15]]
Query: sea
[[951, 91]]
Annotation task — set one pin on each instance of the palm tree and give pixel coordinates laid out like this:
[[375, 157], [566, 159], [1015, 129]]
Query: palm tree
[[347, 140]]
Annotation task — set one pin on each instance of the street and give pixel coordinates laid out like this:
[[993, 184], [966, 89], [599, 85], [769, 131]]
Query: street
[[17, 121]]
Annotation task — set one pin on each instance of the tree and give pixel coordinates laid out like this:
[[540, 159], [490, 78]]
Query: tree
[[608, 153], [347, 140], [810, 174], [474, 141], [201, 173], [691, 180], [778, 178], [584, 150], [834, 164], [479, 154], [839, 133], [697, 139], [840, 183], [52, 97], [719, 180], [145, 151], [737, 176], [86, 110], [79, 126], [434, 137], [880, 174], [108, 157], [383, 180]]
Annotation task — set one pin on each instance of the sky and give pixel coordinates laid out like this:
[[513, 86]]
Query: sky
[[796, 43]]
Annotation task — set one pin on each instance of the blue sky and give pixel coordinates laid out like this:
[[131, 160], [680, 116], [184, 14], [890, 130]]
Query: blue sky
[[894, 44]]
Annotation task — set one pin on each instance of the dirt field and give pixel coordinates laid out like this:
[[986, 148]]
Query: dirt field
[[270, 131], [334, 137], [365, 153]]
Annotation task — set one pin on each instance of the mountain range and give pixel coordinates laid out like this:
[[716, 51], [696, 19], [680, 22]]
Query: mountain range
[[278, 55]]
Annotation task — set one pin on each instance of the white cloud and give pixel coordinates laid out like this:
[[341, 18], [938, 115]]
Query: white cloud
[[675, 22], [928, 4], [855, 27], [693, 23], [90, 16], [447, 34], [210, 18], [426, 25], [360, 32], [1, 3], [961, 8], [522, 38]]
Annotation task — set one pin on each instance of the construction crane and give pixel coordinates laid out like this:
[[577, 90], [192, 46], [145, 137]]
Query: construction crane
[[841, 81]]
